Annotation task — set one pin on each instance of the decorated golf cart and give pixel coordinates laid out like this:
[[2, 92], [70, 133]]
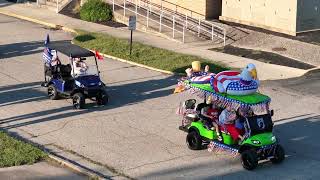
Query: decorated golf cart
[[236, 90], [78, 80]]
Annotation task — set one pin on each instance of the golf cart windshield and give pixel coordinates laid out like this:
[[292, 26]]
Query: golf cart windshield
[[84, 67]]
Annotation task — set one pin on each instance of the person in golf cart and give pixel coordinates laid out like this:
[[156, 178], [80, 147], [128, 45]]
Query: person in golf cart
[[211, 112], [79, 67], [227, 120], [242, 114]]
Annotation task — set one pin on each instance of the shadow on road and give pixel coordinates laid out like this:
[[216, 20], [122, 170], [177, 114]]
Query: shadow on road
[[20, 93], [308, 84], [22, 49], [120, 95]]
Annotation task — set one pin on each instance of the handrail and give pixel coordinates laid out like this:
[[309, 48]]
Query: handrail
[[187, 21], [149, 19]]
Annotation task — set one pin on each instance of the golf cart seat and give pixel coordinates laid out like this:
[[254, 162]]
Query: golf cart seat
[[65, 71], [190, 104], [260, 124], [199, 108]]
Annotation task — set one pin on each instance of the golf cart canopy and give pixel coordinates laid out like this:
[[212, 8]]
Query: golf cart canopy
[[71, 50], [256, 101]]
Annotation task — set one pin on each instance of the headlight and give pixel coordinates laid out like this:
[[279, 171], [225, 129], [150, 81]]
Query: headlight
[[255, 141], [273, 139], [82, 85], [100, 83]]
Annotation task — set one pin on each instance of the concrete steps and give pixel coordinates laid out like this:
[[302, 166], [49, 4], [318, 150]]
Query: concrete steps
[[54, 5]]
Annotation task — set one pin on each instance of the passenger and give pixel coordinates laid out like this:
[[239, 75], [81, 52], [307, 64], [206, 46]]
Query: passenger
[[55, 59], [212, 113], [242, 114], [228, 117], [79, 66]]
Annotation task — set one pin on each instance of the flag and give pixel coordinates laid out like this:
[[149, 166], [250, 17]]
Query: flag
[[98, 55], [47, 55], [47, 41]]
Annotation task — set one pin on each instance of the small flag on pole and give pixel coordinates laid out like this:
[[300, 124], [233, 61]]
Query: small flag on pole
[[98, 55], [47, 41]]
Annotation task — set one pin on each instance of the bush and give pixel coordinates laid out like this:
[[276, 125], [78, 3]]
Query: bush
[[95, 11]]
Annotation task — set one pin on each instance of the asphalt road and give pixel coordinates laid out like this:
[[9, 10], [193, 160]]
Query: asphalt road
[[137, 132]]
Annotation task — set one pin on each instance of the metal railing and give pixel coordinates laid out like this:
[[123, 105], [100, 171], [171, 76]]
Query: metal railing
[[198, 26], [58, 4], [147, 16]]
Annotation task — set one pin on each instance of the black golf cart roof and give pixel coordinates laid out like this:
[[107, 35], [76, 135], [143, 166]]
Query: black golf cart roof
[[65, 47]]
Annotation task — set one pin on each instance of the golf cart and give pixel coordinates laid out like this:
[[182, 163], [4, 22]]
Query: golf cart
[[64, 80], [259, 142]]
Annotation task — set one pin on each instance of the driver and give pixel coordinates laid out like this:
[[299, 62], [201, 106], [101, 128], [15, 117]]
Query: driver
[[79, 67]]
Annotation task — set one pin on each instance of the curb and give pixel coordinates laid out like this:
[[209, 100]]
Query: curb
[[139, 65], [75, 167], [29, 19]]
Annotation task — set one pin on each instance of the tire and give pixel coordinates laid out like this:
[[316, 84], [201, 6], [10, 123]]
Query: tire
[[194, 141], [249, 159], [78, 100], [278, 155], [102, 98], [52, 92]]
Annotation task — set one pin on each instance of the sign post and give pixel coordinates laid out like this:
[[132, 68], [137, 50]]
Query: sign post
[[132, 27]]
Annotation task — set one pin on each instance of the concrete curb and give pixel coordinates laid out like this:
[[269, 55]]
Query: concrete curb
[[75, 167], [139, 65], [28, 19]]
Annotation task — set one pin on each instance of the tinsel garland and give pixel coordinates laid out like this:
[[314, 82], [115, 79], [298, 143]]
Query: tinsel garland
[[224, 101]]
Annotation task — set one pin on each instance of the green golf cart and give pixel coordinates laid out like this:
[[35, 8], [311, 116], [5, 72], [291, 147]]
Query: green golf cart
[[259, 142]]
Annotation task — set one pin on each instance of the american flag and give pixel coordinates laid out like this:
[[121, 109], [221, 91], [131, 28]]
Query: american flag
[[47, 55]]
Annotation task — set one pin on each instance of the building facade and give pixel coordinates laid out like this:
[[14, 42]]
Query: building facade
[[285, 16], [203, 9]]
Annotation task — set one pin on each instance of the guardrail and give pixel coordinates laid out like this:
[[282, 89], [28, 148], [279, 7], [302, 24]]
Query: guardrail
[[199, 26], [160, 21]]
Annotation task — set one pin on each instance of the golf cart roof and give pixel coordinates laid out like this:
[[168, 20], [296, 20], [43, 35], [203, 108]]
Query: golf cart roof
[[257, 101], [65, 47]]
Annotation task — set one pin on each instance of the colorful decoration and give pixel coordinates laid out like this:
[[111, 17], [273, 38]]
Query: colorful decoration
[[204, 79], [256, 101], [196, 71], [235, 83], [216, 147]]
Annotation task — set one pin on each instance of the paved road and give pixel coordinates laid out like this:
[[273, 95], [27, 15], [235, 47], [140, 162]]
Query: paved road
[[137, 132]]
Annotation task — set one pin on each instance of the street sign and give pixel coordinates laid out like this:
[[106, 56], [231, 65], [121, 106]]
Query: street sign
[[132, 23]]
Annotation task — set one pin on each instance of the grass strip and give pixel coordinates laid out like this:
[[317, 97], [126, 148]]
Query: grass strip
[[14, 152], [142, 54]]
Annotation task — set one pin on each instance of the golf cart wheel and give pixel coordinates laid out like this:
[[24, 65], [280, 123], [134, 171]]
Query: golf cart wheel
[[278, 155], [249, 159], [102, 98], [194, 141], [52, 92], [78, 100]]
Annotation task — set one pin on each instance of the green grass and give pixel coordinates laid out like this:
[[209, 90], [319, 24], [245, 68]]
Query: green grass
[[14, 152], [143, 54]]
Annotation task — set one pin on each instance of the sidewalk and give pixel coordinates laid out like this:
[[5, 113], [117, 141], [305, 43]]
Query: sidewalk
[[266, 71], [41, 170]]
